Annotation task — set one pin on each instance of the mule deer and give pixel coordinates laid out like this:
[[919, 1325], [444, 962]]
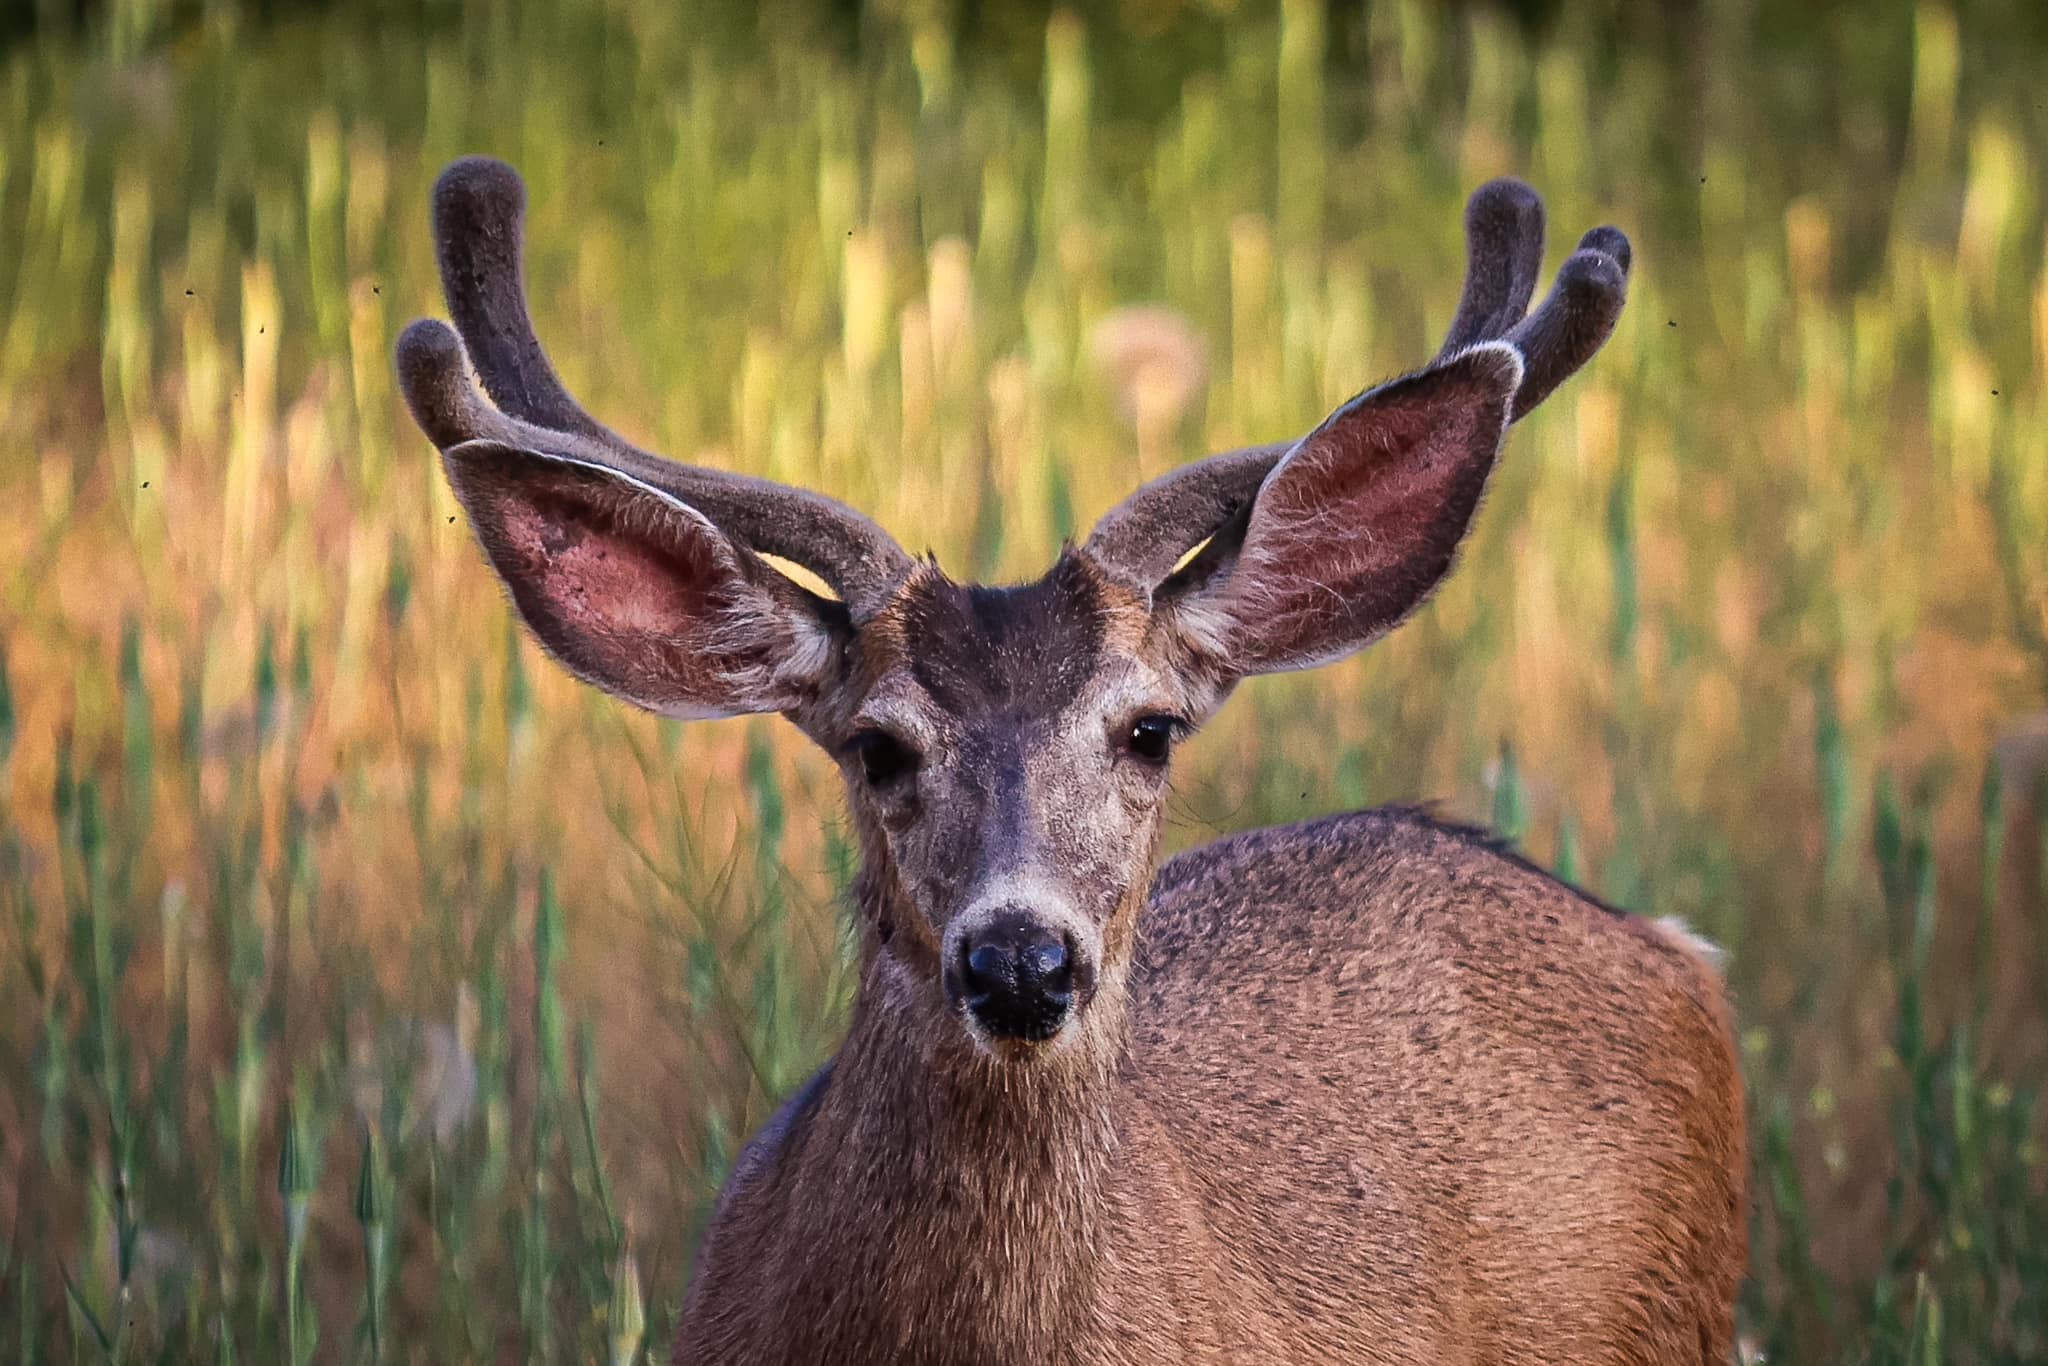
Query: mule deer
[[1368, 1088]]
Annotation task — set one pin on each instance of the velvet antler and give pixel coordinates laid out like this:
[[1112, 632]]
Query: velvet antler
[[478, 207], [1145, 536]]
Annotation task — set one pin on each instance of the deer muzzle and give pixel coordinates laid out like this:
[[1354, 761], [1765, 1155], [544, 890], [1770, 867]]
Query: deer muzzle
[[1018, 975]]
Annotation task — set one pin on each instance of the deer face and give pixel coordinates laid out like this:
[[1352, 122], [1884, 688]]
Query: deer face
[[1006, 749], [1007, 752]]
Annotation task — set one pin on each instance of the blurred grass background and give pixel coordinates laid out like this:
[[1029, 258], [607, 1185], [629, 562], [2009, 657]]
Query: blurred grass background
[[369, 991]]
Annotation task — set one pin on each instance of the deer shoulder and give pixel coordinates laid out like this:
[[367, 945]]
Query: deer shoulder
[[1400, 1056]]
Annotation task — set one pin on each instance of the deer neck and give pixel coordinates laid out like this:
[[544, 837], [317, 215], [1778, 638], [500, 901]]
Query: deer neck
[[973, 1187]]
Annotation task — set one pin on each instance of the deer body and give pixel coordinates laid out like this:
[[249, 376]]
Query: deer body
[[1365, 1089], [1461, 1113]]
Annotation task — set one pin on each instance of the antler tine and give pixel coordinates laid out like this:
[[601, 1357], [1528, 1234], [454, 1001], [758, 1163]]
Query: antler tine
[[1504, 236], [1504, 255], [477, 209], [433, 373], [1577, 318]]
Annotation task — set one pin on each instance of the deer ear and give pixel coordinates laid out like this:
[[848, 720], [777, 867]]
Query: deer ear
[[1355, 526], [638, 592]]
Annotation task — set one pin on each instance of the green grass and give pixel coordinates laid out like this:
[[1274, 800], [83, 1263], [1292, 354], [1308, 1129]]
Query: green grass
[[369, 991]]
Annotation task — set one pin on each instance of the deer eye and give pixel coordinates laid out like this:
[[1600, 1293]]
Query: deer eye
[[1152, 737], [884, 759]]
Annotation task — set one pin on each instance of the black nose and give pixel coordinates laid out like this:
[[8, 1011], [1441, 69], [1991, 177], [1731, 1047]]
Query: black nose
[[1018, 978]]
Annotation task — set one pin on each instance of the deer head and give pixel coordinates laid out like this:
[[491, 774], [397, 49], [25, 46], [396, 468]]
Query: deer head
[[1006, 750]]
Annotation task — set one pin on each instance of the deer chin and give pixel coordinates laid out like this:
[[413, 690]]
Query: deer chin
[[1015, 1052]]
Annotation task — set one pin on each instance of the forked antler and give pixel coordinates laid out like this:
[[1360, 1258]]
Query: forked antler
[[1143, 538], [478, 207]]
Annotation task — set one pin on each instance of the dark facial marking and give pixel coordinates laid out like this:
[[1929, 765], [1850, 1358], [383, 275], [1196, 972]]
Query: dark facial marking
[[1027, 649]]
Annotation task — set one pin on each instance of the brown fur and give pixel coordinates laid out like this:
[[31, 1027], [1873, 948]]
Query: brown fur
[[1444, 1109], [1368, 1089]]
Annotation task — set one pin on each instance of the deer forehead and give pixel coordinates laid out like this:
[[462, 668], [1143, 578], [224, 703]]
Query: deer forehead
[[952, 661]]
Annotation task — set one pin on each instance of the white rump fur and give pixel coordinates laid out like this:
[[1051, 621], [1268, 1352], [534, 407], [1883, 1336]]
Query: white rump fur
[[1674, 929]]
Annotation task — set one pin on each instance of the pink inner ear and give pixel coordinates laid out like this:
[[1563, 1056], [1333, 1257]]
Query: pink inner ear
[[1353, 530], [636, 591], [1363, 471], [638, 597], [599, 581]]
